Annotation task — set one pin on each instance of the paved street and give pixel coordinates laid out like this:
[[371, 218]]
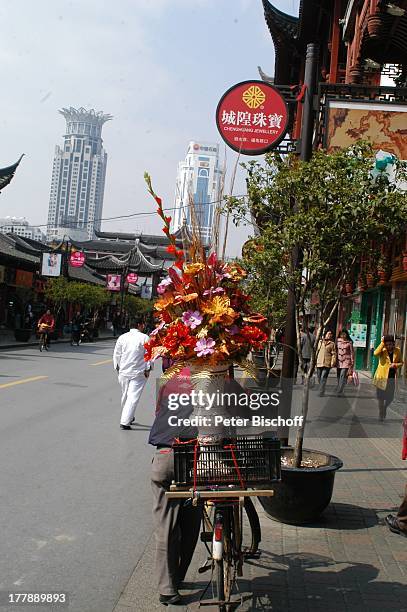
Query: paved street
[[74, 496], [75, 499]]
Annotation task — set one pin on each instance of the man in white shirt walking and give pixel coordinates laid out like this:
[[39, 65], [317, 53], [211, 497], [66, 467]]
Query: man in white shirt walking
[[133, 371]]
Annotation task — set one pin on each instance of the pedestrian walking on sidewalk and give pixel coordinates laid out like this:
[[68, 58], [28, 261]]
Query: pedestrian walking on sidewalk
[[307, 343], [326, 359], [345, 359], [133, 371], [398, 523], [390, 361]]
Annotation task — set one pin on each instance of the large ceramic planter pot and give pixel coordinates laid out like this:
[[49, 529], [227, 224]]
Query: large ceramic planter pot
[[22, 335], [303, 493]]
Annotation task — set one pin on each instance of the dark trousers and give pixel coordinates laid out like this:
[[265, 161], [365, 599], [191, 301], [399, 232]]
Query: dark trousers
[[342, 374], [385, 397], [176, 526], [322, 374], [402, 513]]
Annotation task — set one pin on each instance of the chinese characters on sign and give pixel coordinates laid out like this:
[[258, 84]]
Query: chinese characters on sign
[[132, 278], [77, 259], [252, 117]]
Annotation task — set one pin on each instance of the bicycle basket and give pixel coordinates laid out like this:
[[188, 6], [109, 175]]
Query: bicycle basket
[[253, 460]]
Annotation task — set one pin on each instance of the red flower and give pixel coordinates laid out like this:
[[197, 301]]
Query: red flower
[[178, 336], [172, 249], [166, 230], [253, 335], [159, 201], [168, 219], [179, 264]]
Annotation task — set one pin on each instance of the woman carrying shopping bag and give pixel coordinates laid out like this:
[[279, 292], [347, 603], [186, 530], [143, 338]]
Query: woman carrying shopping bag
[[390, 361]]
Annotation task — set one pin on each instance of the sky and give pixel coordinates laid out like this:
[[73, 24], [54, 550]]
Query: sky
[[158, 66]]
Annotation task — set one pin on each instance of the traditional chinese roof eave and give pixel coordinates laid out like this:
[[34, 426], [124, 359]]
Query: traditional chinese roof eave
[[133, 261], [6, 174], [10, 254]]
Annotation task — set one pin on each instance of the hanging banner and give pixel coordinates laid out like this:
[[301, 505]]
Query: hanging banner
[[24, 278], [113, 282], [252, 117], [132, 278], [77, 259], [51, 264]]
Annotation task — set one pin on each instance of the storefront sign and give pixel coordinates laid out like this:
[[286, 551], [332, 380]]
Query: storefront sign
[[77, 259], [113, 282], [358, 333], [24, 278], [252, 117], [51, 264], [132, 278]]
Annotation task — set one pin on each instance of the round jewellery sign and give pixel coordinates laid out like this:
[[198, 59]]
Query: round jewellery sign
[[252, 117], [77, 259]]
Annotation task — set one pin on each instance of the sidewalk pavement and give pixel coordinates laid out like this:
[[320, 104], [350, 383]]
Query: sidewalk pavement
[[7, 340], [346, 562]]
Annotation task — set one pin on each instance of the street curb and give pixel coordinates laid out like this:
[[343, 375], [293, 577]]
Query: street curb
[[23, 345]]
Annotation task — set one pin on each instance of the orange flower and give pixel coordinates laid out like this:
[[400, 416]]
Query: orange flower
[[219, 308], [193, 268], [164, 301], [179, 299], [256, 318]]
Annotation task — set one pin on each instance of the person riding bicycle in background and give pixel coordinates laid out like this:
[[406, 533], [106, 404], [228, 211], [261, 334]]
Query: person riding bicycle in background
[[46, 325]]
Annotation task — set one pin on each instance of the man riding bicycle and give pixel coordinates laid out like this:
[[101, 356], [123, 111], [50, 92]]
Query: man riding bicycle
[[46, 326]]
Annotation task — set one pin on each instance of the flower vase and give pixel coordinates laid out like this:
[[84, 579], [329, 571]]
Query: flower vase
[[209, 386]]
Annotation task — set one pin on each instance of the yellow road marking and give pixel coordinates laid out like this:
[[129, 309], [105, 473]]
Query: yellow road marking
[[23, 381], [101, 362]]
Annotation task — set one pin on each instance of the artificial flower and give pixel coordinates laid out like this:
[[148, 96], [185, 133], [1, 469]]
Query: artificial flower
[[157, 329], [219, 308], [204, 346], [185, 298], [213, 291], [192, 318], [163, 285], [254, 335], [164, 301], [193, 268], [256, 318]]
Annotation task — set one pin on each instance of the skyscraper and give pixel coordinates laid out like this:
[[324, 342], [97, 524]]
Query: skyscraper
[[199, 177], [78, 176]]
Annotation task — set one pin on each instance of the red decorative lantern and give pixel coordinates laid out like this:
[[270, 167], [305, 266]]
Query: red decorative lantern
[[77, 259], [132, 278]]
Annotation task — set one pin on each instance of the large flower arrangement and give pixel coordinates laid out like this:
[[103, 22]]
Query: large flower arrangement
[[203, 315]]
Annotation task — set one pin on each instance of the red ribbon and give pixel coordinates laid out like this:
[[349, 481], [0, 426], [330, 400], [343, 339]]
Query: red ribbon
[[232, 447]]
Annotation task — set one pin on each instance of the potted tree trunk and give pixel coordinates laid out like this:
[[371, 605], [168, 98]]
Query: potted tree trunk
[[317, 210]]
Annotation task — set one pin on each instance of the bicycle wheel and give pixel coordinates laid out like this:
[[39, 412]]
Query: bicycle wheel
[[251, 543], [224, 567]]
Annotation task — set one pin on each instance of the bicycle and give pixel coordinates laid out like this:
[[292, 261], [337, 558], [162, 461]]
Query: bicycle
[[43, 343], [255, 461]]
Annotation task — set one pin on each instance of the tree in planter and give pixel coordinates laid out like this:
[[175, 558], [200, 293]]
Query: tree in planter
[[330, 210]]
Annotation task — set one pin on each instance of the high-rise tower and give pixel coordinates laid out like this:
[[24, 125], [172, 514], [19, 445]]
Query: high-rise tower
[[78, 176], [199, 178]]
